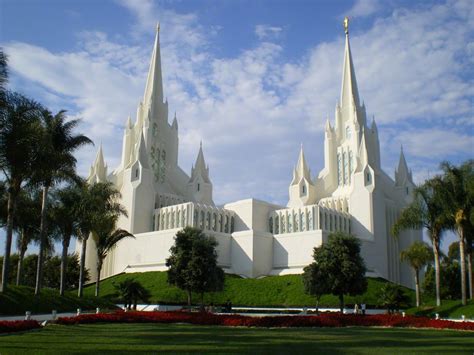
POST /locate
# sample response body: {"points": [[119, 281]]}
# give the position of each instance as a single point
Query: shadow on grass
{"points": [[117, 338]]}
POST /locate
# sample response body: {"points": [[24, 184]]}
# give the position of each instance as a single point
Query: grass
{"points": [[270, 291], [154, 338], [448, 308], [18, 299]]}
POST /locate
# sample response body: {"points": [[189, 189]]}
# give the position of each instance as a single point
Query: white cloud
{"points": [[410, 69], [267, 32], [363, 8]]}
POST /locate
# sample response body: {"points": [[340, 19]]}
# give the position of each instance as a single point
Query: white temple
{"points": [[256, 238]]}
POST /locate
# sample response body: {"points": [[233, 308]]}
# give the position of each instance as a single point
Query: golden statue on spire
{"points": [[346, 25]]}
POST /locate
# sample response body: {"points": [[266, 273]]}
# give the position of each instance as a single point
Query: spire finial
{"points": [[158, 27], [346, 25]]}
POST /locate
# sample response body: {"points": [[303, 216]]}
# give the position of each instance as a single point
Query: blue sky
{"points": [[253, 79]]}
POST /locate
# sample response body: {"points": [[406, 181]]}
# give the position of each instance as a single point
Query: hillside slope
{"points": [[274, 291]]}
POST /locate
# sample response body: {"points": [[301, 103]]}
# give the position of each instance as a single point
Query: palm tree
{"points": [[426, 212], [19, 125], [3, 76], [26, 224], [97, 200], [107, 237], [457, 205], [64, 213], [55, 163], [417, 255], [131, 291]]}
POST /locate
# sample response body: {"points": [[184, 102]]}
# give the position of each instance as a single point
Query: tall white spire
{"points": [[349, 91], [154, 82]]}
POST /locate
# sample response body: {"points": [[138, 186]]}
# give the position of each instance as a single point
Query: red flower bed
{"points": [[18, 325], [322, 320]]}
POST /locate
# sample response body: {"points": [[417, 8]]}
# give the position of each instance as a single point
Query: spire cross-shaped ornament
{"points": [[346, 25]]}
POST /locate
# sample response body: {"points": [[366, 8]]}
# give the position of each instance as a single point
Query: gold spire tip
{"points": [[158, 27], [346, 25]]}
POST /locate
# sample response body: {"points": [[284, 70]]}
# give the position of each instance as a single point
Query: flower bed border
{"points": [[18, 326], [322, 320]]}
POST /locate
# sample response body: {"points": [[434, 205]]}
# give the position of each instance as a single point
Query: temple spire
{"points": [[349, 91], [154, 82], [402, 174], [302, 167]]}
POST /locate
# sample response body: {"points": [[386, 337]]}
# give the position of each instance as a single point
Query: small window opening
{"points": [[199, 187], [136, 173]]}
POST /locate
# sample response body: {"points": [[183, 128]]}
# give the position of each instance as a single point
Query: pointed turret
{"points": [[302, 190], [349, 90], [402, 174], [129, 125], [154, 82], [175, 122], [199, 185], [98, 171], [301, 169]]}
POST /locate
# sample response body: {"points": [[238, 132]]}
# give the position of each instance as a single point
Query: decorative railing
{"points": [[208, 218], [308, 218]]}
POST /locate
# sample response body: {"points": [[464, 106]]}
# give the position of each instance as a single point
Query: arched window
{"points": [[348, 132], [303, 190], [339, 169], [196, 217], [290, 223], [277, 225], [232, 224], [270, 224], [201, 220], [199, 187], [214, 222]]}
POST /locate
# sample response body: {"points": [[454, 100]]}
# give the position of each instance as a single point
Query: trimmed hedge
{"points": [[322, 320]]}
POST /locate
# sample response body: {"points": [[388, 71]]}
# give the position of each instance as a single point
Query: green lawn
{"points": [[268, 291], [154, 338], [18, 299], [448, 308]]}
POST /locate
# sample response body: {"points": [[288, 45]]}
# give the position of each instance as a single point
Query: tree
{"points": [[26, 224], [192, 265], [131, 291], [315, 282], [341, 265], [417, 255], [457, 204], [19, 126], [426, 212], [96, 201], [107, 237], [450, 280], [55, 162], [64, 211], [51, 271], [392, 297]]}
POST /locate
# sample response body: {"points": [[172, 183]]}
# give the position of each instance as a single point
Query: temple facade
{"points": [[256, 238]]}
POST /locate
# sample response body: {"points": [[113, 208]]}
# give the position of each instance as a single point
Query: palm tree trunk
{"points": [[62, 281], [97, 281], [42, 236], [435, 243], [417, 287], [23, 247], [8, 242], [462, 255], [82, 266], [469, 273], [341, 302]]}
